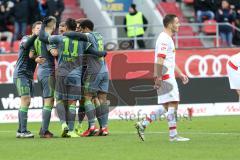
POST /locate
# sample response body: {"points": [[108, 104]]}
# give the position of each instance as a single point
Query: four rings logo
{"points": [[6, 71], [206, 66], [195, 66]]}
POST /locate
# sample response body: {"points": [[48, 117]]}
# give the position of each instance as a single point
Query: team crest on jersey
{"points": [[163, 48]]}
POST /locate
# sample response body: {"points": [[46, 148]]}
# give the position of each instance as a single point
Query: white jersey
{"points": [[233, 70], [165, 48], [168, 91], [235, 59]]}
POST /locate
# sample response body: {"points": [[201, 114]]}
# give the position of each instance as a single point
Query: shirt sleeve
{"points": [[23, 41], [87, 45], [32, 49], [161, 49], [51, 46], [55, 39]]}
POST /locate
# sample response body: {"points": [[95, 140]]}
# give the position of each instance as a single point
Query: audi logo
{"points": [[6, 71], [204, 66], [195, 66]]}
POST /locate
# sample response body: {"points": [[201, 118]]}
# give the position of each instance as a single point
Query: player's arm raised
{"points": [[45, 37], [77, 36], [27, 42]]}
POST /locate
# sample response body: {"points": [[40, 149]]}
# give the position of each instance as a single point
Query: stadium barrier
{"points": [[187, 37], [131, 84]]}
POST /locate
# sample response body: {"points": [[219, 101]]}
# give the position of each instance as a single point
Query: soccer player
{"points": [[96, 81], [62, 28], [78, 21], [233, 73], [23, 79], [46, 77], [68, 74], [165, 57], [81, 110]]}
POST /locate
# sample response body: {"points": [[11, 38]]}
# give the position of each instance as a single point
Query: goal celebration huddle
{"points": [[71, 68]]}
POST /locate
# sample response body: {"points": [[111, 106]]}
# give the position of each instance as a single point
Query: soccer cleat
{"points": [[79, 129], [178, 139], [64, 130], [102, 132], [90, 132], [72, 134], [140, 130], [26, 134], [47, 134], [18, 134]]}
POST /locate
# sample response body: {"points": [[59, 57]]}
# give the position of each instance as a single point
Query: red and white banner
{"points": [[200, 63], [7, 65], [138, 64], [196, 63], [137, 112]]}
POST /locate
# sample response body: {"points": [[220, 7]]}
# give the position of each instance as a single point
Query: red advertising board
{"points": [[138, 64], [201, 63], [196, 63], [7, 64]]}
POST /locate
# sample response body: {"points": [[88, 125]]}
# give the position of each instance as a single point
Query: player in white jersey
{"points": [[234, 73], [165, 82]]}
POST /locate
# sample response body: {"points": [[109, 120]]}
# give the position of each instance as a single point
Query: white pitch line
{"points": [[193, 133], [121, 132]]}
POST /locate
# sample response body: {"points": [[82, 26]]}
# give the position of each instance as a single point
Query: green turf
{"points": [[212, 138]]}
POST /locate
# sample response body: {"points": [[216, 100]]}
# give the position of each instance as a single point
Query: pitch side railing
{"points": [[152, 32]]}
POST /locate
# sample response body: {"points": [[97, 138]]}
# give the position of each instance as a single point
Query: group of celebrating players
{"points": [[80, 74]]}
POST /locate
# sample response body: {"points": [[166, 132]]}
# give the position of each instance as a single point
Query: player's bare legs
{"points": [[49, 101], [25, 101]]}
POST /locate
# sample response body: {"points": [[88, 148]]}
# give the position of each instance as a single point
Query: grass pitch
{"points": [[212, 138]]}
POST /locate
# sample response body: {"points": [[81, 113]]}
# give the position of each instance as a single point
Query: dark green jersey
{"points": [[48, 67], [70, 54], [25, 66], [96, 64]]}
